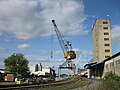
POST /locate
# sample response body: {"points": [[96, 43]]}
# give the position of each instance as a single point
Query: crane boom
{"points": [[59, 36], [65, 45]]}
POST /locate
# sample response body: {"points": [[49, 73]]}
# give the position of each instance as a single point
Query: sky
{"points": [[26, 27]]}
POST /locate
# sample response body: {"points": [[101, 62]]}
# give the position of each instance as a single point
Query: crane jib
{"points": [[65, 45]]}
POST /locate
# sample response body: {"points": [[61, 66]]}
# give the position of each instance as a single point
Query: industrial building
{"points": [[112, 64], [2, 71], [44, 72], [101, 40], [100, 69], [103, 61]]}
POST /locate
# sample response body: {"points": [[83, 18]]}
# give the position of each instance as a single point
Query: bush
{"points": [[111, 82]]}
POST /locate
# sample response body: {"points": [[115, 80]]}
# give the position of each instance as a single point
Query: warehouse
{"points": [[100, 69]]}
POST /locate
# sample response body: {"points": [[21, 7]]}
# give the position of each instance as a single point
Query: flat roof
{"points": [[115, 55], [102, 62]]}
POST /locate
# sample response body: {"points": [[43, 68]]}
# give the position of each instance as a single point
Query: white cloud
{"points": [[30, 18], [45, 60], [42, 52], [23, 46], [46, 52], [85, 52], [77, 51], [116, 33], [58, 52], [2, 49]]}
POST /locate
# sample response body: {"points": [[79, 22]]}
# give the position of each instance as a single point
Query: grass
{"points": [[69, 86], [110, 82]]}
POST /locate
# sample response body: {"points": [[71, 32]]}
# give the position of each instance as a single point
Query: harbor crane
{"points": [[66, 46], [67, 50]]}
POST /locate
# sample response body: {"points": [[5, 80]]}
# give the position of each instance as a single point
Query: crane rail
{"points": [[35, 86]]}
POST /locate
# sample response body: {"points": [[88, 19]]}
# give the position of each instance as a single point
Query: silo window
{"points": [[105, 22]]}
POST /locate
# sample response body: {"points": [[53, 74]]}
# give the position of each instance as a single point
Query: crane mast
{"points": [[66, 46]]}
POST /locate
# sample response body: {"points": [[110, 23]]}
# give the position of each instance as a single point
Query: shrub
{"points": [[111, 82]]}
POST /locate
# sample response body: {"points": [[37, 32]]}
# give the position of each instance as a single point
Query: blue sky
{"points": [[26, 27]]}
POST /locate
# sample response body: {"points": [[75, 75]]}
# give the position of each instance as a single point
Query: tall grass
{"points": [[110, 82]]}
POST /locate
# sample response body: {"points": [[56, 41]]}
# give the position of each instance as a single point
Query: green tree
{"points": [[16, 64]]}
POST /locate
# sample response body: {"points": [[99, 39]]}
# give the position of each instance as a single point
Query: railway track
{"points": [[34, 86]]}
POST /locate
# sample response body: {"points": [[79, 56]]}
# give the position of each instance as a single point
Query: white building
{"points": [[45, 72]]}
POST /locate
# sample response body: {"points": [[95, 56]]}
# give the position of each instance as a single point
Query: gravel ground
{"points": [[93, 86], [7, 83]]}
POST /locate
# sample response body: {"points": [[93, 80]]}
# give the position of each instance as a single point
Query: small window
{"points": [[106, 33], [111, 64], [105, 22], [107, 56], [105, 27], [118, 61], [96, 51], [106, 39], [106, 66], [107, 50], [106, 44]]}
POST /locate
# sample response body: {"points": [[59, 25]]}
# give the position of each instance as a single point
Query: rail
{"points": [[38, 85]]}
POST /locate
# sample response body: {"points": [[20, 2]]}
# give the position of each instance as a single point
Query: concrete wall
{"points": [[46, 69], [112, 65], [32, 68], [98, 42]]}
